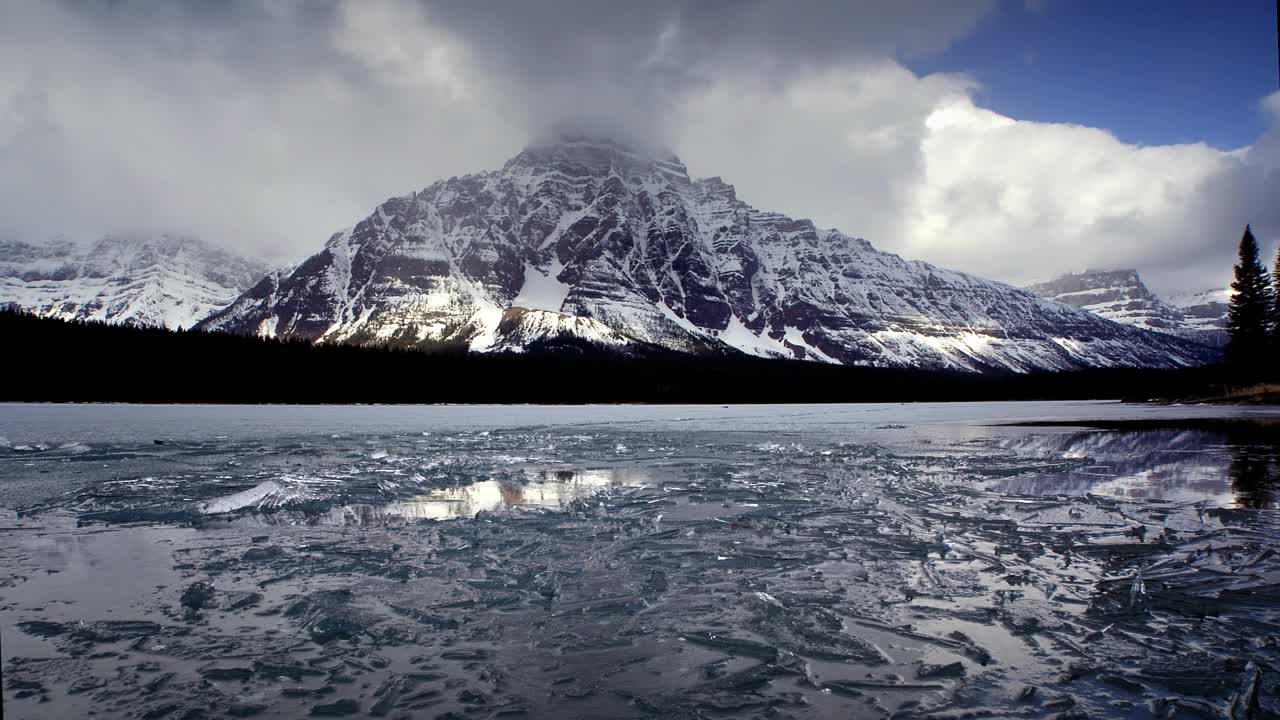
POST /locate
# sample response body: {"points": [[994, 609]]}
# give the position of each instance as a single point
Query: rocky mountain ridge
{"points": [[1120, 295], [159, 280], [587, 238]]}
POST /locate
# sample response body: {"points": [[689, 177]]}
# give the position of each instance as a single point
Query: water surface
{"points": [[797, 561]]}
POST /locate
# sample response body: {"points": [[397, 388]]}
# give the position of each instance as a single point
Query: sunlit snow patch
{"points": [[542, 292]]}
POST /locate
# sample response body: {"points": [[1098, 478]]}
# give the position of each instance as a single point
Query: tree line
{"points": [[1253, 313], [84, 361]]}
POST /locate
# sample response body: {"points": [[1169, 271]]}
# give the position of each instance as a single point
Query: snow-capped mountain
{"points": [[152, 280], [589, 239], [1120, 295], [1206, 311]]}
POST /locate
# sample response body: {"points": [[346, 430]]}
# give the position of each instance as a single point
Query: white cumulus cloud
{"points": [[914, 165]]}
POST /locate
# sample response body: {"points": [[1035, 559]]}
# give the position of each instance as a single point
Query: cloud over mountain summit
{"points": [[268, 124]]}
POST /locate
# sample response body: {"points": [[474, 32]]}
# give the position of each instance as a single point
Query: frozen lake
{"points": [[914, 560], [22, 423]]}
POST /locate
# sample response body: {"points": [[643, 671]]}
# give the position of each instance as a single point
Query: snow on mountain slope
{"points": [[1205, 311], [152, 280], [1120, 295], [589, 228], [521, 328]]}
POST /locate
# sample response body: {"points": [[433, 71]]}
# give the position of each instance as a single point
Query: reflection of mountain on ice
{"points": [[1175, 465]]}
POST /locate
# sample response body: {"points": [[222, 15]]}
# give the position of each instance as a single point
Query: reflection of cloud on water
{"points": [[1174, 482], [547, 488], [544, 487], [1170, 465]]}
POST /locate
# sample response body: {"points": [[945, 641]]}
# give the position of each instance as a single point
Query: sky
{"points": [[1015, 139], [1154, 73]]}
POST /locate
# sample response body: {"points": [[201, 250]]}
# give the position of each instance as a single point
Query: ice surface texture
{"points": [[603, 572]]}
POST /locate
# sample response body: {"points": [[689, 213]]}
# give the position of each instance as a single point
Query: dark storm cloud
{"points": [[629, 64], [269, 123]]}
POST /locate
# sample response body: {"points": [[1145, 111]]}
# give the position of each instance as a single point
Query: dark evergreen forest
{"points": [[53, 360]]}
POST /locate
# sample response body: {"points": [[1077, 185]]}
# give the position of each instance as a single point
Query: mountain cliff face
{"points": [[150, 280], [585, 238], [1120, 295], [1205, 311]]}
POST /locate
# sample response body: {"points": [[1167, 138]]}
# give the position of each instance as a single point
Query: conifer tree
{"points": [[1249, 313], [1275, 311]]}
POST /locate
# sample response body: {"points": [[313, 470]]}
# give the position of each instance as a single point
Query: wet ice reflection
{"points": [[550, 488], [544, 488], [1168, 465], [897, 573]]}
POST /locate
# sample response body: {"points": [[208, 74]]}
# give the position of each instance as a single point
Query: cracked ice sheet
{"points": [[824, 572]]}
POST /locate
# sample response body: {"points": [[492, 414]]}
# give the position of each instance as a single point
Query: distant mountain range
{"points": [[1205, 310], [149, 280], [1120, 295], [585, 242]]}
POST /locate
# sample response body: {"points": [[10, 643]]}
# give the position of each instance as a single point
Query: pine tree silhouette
{"points": [[1249, 314], [1275, 311]]}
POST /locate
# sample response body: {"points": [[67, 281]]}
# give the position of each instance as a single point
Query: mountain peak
{"points": [[576, 154], [1121, 296], [1115, 284], [588, 237], [586, 136]]}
